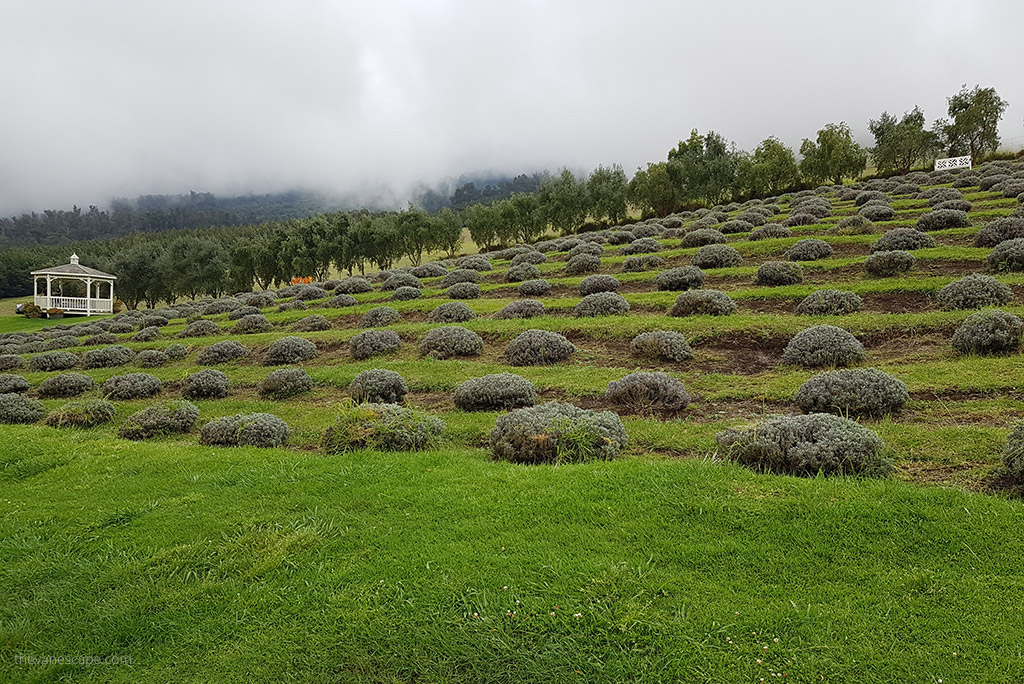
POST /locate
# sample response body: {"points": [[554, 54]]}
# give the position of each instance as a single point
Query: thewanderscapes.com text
{"points": [[83, 660]]}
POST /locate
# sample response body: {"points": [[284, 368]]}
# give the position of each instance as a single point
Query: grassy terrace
{"points": [[668, 564]]}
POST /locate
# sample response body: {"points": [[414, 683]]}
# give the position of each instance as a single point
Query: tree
{"points": [[974, 128], [834, 156], [607, 188], [483, 222], [447, 227], [770, 170], [416, 233], [703, 167], [194, 265], [564, 202], [138, 275], [900, 143], [653, 190]]}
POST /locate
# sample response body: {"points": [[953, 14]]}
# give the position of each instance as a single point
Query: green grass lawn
{"points": [[205, 564]]}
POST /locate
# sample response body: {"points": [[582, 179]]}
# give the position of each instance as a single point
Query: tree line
{"points": [[702, 170]]}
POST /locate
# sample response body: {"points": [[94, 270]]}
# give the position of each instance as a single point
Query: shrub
{"points": [[830, 303], [888, 264], [476, 262], [200, 328], [255, 429], [941, 219], [222, 352], [701, 237], [521, 272], [989, 181], [145, 335], [538, 347], [285, 382], [648, 262], [800, 219], [852, 392], [151, 358], [738, 226], [642, 245], [645, 230], [681, 278], [61, 342], [592, 249], [14, 384], [582, 263], [807, 445], [400, 279], [717, 256], [296, 305], [771, 230], [852, 225], [497, 392], [524, 308], [373, 342], [464, 291], [988, 332], [1000, 230], [206, 384], [258, 300], [289, 350], [18, 409], [108, 357], [662, 345], [1007, 256], [776, 273], [1013, 455], [823, 345], [902, 239], [53, 361], [809, 249], [405, 294], [450, 341], [431, 270], [534, 288], [599, 283], [221, 306], [452, 312], [81, 414], [154, 321], [906, 189], [313, 323], [973, 292], [868, 195], [703, 303], [340, 302], [253, 323], [385, 427], [131, 386], [877, 212], [354, 285], [110, 338], [646, 392], [957, 204], [379, 317], [12, 362], [531, 257], [378, 386], [121, 327], [601, 304], [176, 351], [557, 433], [65, 385]]}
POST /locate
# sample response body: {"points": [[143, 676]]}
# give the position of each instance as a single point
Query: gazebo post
{"points": [[88, 296], [49, 280]]}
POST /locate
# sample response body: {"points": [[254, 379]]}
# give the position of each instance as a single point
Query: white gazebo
{"points": [[60, 280]]}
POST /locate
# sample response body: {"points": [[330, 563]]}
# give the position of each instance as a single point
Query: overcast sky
{"points": [[105, 98]]}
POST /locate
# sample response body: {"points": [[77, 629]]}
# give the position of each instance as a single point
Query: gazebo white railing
{"points": [[98, 287]]}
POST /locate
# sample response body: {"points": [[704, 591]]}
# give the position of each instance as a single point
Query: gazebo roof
{"points": [[74, 269]]}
